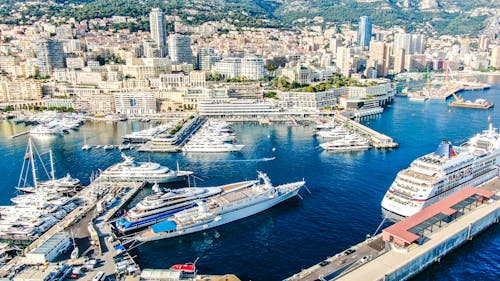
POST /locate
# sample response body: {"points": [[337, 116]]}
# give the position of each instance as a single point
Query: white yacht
{"points": [[211, 146], [147, 134], [337, 132], [234, 204], [347, 143], [130, 170], [159, 206], [213, 136], [438, 174], [44, 130]]}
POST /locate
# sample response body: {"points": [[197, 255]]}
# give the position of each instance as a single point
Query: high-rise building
{"points": [[179, 48], [49, 54], [344, 60], [412, 43], [379, 52], [253, 68], [158, 29], [206, 58], [484, 42], [495, 57], [364, 31], [399, 61], [151, 49]]}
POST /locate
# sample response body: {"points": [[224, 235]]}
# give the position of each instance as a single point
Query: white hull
{"points": [[397, 211], [151, 179], [228, 217]]}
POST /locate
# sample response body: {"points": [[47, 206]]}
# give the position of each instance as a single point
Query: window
{"points": [[133, 102]]}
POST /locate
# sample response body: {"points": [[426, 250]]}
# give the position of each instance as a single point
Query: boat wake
{"points": [[251, 160]]}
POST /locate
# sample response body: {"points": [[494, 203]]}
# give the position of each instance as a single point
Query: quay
{"points": [[411, 245], [84, 212], [174, 142], [376, 139]]}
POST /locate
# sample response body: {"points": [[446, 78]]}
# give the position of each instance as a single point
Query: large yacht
{"points": [[234, 204], [130, 170], [158, 206], [213, 136], [347, 143], [438, 174]]}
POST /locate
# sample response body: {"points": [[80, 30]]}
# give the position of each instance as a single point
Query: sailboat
{"points": [[75, 252], [29, 160], [85, 145], [57, 185]]}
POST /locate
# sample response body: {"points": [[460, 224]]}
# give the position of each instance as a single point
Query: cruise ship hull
{"points": [[394, 211], [224, 217]]}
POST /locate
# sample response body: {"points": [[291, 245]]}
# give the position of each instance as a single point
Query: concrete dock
{"points": [[400, 263], [376, 139]]}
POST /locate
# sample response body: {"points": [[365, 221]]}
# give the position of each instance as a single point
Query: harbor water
{"points": [[343, 205]]}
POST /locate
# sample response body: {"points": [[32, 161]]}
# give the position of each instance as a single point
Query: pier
{"points": [[399, 254], [376, 139], [175, 142], [98, 228]]}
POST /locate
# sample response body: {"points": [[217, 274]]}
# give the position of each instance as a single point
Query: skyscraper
{"points": [[180, 48], [158, 29], [364, 31], [412, 43], [344, 60], [49, 54], [379, 52], [206, 58]]}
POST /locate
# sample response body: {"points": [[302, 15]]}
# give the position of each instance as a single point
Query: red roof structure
{"points": [[411, 229]]}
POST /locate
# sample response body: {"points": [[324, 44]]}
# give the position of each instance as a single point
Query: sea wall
{"points": [[424, 260]]}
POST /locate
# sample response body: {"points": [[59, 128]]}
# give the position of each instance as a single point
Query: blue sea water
{"points": [[342, 207]]}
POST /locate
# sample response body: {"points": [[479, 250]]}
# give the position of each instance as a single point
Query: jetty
{"points": [[376, 139], [411, 245], [174, 143]]}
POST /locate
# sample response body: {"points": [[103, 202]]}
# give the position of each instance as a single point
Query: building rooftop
{"points": [[47, 246], [411, 229]]}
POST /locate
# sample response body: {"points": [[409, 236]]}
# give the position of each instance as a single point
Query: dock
{"points": [[174, 142], [98, 228], [389, 258], [20, 134], [376, 139]]}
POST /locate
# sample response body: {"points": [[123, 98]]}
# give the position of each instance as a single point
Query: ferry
{"points": [[130, 170], [232, 205], [436, 175], [164, 203]]}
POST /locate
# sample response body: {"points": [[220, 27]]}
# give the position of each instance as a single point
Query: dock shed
{"points": [[413, 229], [49, 250]]}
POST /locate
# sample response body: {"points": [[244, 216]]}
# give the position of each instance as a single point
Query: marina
{"points": [[273, 141]]}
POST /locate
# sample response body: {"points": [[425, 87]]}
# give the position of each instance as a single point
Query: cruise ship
{"points": [[232, 205], [438, 174], [158, 206], [130, 170]]}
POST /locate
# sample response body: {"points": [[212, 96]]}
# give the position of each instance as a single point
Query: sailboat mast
{"points": [[52, 170], [32, 160]]}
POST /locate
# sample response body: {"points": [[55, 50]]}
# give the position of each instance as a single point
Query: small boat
{"points": [[269, 158], [74, 253], [125, 146], [186, 267], [109, 147]]}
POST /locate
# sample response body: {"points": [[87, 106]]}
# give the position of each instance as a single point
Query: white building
{"points": [[135, 103], [253, 68], [228, 67], [179, 48], [235, 107]]}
